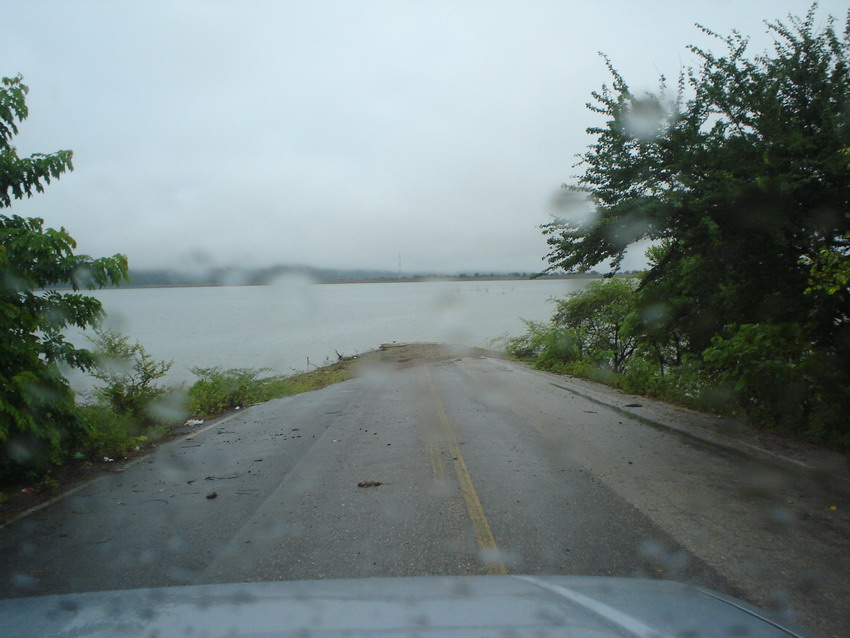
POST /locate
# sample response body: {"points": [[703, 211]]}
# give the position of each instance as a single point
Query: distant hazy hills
{"points": [[247, 276], [259, 276]]}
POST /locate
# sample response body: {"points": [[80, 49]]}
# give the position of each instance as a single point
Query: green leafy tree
{"points": [[741, 175], [659, 339], [37, 268], [599, 317], [740, 180], [830, 269]]}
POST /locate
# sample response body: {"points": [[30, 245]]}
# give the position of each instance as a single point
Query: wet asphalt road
{"points": [[472, 466]]}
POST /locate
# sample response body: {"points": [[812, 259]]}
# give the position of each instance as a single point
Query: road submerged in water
{"points": [[442, 461]]}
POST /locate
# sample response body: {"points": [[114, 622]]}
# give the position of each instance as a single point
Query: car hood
{"points": [[464, 606]]}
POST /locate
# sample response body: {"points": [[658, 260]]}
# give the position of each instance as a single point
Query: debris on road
{"points": [[369, 484], [212, 495]]}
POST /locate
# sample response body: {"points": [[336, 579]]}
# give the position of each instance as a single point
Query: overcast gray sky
{"points": [[334, 134]]}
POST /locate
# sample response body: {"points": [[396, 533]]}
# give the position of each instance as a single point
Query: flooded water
{"points": [[295, 325]]}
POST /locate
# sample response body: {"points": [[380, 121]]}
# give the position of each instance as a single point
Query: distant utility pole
{"points": [[399, 265]]}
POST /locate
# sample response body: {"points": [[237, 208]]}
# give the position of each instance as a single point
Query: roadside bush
{"points": [[761, 363], [774, 373], [108, 433], [523, 347], [589, 333], [217, 390], [783, 382], [642, 377], [599, 318], [129, 374], [551, 346], [829, 381], [111, 434], [560, 348], [594, 334]]}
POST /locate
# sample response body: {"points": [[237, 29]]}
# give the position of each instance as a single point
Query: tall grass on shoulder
{"points": [[274, 387], [111, 435], [218, 390]]}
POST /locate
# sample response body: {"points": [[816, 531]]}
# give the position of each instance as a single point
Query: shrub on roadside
{"points": [[218, 390], [129, 374], [113, 435], [761, 363], [597, 319], [522, 347], [596, 334], [552, 347], [641, 377], [559, 347], [109, 434]]}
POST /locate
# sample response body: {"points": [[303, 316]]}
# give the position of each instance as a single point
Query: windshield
{"points": [[361, 290]]}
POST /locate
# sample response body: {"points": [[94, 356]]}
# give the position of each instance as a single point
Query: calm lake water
{"points": [[282, 326]]}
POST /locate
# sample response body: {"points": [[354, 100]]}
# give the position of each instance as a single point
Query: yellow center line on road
{"points": [[436, 462], [483, 533]]}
